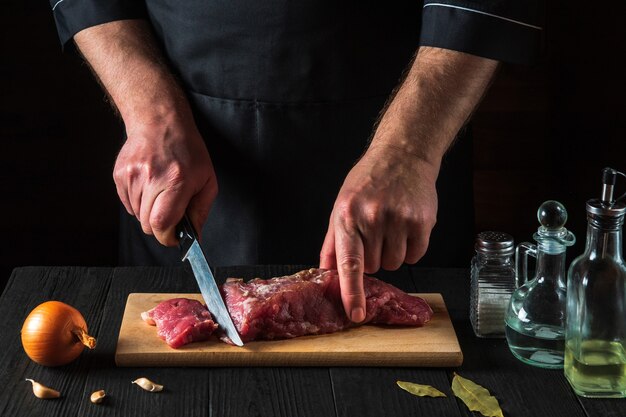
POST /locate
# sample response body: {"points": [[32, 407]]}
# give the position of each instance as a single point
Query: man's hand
{"points": [[162, 171], [387, 206], [164, 168], [382, 217]]}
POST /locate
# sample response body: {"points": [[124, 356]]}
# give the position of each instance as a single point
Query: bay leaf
{"points": [[476, 397], [420, 390]]}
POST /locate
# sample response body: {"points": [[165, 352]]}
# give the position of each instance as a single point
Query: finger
{"points": [[394, 249], [122, 189], [349, 249], [135, 191], [122, 193], [167, 211], [147, 202], [200, 205], [416, 247], [372, 245], [328, 257]]}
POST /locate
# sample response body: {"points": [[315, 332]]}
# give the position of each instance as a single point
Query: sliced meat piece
{"points": [[180, 321], [309, 302]]}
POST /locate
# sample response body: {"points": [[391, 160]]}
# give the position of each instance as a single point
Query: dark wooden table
{"points": [[100, 294]]}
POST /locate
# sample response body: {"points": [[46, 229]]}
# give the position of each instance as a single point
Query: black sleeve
{"points": [[505, 30], [72, 16]]}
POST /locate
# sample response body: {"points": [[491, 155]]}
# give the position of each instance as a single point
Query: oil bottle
{"points": [[535, 319], [595, 336]]}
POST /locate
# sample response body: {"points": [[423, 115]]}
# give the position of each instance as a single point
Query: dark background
{"points": [[543, 132]]}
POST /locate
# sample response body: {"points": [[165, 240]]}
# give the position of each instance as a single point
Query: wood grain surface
{"points": [[339, 391], [434, 344]]}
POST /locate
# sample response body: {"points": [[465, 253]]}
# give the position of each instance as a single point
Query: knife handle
{"points": [[186, 234]]}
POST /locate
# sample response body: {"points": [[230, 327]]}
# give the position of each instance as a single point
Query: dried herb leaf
{"points": [[420, 390], [475, 397]]}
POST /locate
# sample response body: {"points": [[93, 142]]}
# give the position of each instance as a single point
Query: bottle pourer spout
{"points": [[609, 177]]}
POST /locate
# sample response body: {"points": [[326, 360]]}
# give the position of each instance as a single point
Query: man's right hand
{"points": [[162, 171], [164, 168]]}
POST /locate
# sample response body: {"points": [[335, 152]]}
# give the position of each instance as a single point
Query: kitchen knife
{"points": [[192, 252]]}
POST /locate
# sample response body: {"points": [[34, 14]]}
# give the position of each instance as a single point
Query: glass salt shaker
{"points": [[535, 321], [492, 282]]}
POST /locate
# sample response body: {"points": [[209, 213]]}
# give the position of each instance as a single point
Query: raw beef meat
{"points": [[180, 321], [309, 302], [306, 303]]}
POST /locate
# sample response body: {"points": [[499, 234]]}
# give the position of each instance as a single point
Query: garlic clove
{"points": [[148, 385], [97, 397], [43, 392]]}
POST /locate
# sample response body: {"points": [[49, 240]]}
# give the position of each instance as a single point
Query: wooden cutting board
{"points": [[435, 344]]}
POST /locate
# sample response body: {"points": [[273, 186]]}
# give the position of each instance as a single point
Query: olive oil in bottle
{"points": [[597, 368]]}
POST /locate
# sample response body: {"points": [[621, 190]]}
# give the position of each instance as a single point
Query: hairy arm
{"points": [[164, 168], [387, 205]]}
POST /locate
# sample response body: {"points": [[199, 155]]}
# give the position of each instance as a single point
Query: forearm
{"points": [[127, 61], [163, 169], [437, 97]]}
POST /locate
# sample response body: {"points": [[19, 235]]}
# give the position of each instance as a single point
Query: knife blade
{"points": [[192, 252]]}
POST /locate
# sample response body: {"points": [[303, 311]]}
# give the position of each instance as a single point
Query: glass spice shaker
{"points": [[492, 282]]}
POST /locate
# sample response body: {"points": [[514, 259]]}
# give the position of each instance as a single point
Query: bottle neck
{"points": [[603, 242], [551, 263]]}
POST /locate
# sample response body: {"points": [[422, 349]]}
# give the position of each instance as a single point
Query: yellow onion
{"points": [[55, 333]]}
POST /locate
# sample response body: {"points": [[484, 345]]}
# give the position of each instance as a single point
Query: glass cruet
{"points": [[595, 337], [535, 319]]}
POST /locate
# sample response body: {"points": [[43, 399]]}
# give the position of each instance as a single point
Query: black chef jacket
{"points": [[286, 93]]}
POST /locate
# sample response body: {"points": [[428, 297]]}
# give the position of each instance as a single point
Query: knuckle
{"points": [[423, 220], [428, 218], [373, 213], [350, 263], [122, 171], [353, 293], [135, 169], [346, 208], [118, 175], [131, 171], [158, 220], [175, 173]]}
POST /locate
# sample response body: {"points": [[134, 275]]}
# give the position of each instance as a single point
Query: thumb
{"points": [[349, 248]]}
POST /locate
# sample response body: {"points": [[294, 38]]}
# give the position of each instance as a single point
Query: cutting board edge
{"points": [[451, 359]]}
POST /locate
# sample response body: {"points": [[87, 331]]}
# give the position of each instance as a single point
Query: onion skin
{"points": [[55, 334]]}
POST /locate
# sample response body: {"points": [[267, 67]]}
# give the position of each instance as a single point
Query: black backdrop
{"points": [[543, 132]]}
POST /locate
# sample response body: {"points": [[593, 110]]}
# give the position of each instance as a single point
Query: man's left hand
{"points": [[382, 217]]}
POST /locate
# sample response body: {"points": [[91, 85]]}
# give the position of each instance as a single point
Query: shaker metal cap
{"points": [[491, 242]]}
